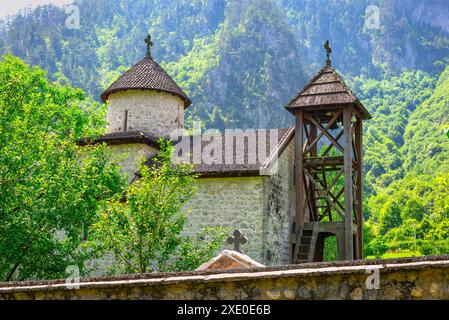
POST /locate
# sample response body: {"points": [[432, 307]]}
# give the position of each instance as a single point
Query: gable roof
{"points": [[326, 88], [147, 74], [247, 168], [230, 260], [222, 169], [235, 169]]}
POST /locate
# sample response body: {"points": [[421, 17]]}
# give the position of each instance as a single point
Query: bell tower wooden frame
{"points": [[328, 168]]}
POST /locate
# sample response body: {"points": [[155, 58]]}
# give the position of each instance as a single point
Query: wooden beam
{"points": [[313, 137], [299, 155], [314, 146], [347, 145], [327, 134], [354, 147], [329, 147], [359, 190], [325, 188], [334, 181], [324, 193]]}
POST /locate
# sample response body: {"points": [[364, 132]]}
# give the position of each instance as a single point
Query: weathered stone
{"points": [[225, 201], [273, 294], [435, 290], [393, 292], [357, 294], [157, 113], [280, 209], [417, 293], [289, 294], [293, 282], [304, 293]]}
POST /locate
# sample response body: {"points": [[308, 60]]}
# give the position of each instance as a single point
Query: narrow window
{"points": [[125, 125], [294, 175]]}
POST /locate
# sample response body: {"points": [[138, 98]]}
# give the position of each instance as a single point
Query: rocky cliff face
{"points": [[435, 13], [239, 61]]}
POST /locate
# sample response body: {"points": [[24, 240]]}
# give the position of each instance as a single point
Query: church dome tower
{"points": [[146, 99]]}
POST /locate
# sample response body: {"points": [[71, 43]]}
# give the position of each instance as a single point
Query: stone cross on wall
{"points": [[149, 45], [237, 239]]}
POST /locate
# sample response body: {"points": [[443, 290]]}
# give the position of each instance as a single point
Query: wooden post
{"points": [[347, 146], [359, 195], [300, 214], [340, 234], [313, 135]]}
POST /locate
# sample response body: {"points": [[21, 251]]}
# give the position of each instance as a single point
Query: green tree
{"points": [[48, 184], [390, 217], [413, 209], [144, 232]]}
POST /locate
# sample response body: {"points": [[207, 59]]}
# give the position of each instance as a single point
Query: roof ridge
{"points": [[333, 90]]}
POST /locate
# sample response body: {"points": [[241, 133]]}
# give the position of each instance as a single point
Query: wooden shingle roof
{"points": [[327, 88], [247, 168], [147, 74], [235, 169], [221, 169]]}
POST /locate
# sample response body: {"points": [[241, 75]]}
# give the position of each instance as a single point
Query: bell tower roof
{"points": [[147, 74], [327, 88]]}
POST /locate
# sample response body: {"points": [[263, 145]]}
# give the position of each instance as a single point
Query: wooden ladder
{"points": [[306, 244]]}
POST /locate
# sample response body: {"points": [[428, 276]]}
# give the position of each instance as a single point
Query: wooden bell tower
{"points": [[328, 168]]}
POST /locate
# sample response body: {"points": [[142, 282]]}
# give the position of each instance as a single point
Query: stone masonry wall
{"points": [[281, 209], [154, 112], [129, 155], [406, 279], [236, 203]]}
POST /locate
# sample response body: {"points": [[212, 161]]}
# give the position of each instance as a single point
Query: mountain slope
{"points": [[412, 213], [260, 52], [241, 61]]}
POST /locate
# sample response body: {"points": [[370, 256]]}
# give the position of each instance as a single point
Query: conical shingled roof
{"points": [[146, 75], [327, 88]]}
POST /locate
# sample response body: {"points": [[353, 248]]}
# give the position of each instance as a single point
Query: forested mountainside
{"points": [[242, 61]]}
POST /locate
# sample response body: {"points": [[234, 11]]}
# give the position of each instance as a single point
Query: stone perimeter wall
{"points": [[417, 279]]}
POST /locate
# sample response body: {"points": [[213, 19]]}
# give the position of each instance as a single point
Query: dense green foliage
{"points": [[55, 194], [392, 102], [238, 60], [411, 213], [47, 182], [144, 232], [241, 61]]}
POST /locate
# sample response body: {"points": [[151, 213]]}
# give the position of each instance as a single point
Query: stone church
{"points": [[247, 179]]}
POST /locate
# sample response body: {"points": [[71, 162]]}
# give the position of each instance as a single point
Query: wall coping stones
{"points": [[306, 270]]}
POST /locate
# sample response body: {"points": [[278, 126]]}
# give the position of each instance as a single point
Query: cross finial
{"points": [[328, 52], [237, 240], [149, 45]]}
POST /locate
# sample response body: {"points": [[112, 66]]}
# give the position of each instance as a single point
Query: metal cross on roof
{"points": [[328, 52], [149, 45], [237, 240]]}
